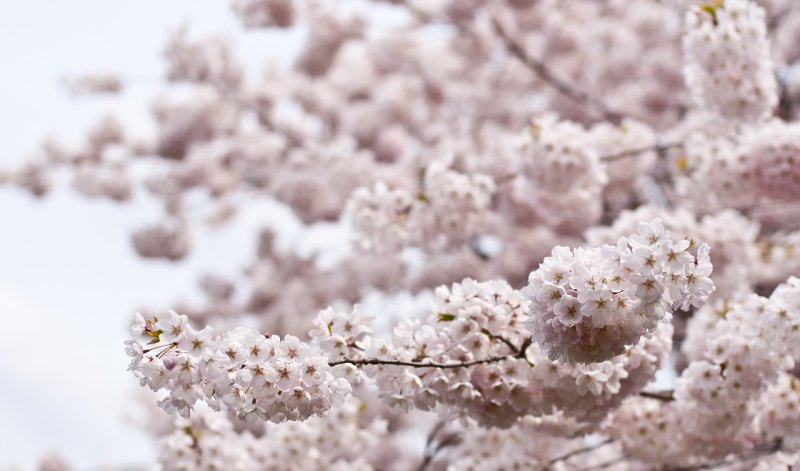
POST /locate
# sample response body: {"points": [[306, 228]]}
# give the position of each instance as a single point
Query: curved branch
{"points": [[414, 364], [431, 450], [658, 148]]}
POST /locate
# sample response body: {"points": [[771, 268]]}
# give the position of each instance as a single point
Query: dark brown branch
{"points": [[517, 353], [507, 342], [522, 348], [430, 451], [666, 396], [785, 105], [413, 364]]}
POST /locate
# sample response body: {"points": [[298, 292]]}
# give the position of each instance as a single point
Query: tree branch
{"points": [[430, 450], [606, 464], [517, 352], [579, 451], [757, 452], [785, 105], [666, 396], [659, 148], [547, 75], [413, 364]]}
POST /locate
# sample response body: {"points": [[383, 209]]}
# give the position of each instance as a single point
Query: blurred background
{"points": [[69, 278]]}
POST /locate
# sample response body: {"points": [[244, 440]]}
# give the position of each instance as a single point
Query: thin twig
{"points": [[430, 452], [659, 148], [606, 464], [757, 452], [580, 451], [412, 364], [666, 396], [507, 342]]}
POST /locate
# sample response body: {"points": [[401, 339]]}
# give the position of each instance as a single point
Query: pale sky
{"points": [[69, 280]]}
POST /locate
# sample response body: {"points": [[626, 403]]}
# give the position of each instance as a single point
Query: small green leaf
{"points": [[446, 317], [421, 197], [155, 334], [711, 8]]}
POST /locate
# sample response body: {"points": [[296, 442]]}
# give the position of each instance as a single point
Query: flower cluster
{"points": [[758, 165], [588, 304], [472, 357], [265, 13], [561, 179], [449, 208], [475, 331], [779, 407], [252, 375], [729, 69], [111, 182], [98, 83], [340, 440], [612, 141], [746, 351], [733, 236], [167, 239], [780, 257], [584, 393], [207, 61], [511, 448]]}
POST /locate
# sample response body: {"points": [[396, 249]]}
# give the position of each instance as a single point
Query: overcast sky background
{"points": [[69, 280]]}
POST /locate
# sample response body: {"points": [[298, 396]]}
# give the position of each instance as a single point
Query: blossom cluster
{"points": [[483, 448], [265, 13], [757, 166], [746, 352], [736, 256], [562, 178], [624, 174], [477, 325], [252, 375], [167, 239], [729, 69], [473, 357], [340, 440], [209, 61], [450, 208], [587, 305]]}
